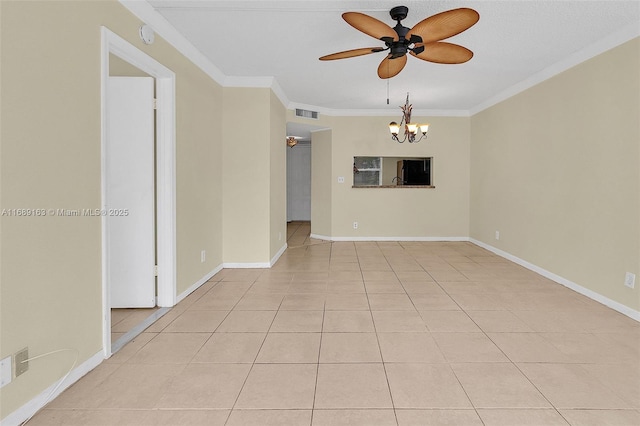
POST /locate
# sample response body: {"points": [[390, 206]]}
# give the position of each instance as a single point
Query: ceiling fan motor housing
{"points": [[401, 47], [398, 49]]}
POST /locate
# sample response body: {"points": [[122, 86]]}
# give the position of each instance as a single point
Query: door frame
{"points": [[165, 171]]}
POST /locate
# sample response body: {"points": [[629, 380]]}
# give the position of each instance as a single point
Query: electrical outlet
{"points": [[5, 371], [20, 360], [630, 280], [340, 179], [497, 235], [203, 256], [355, 225]]}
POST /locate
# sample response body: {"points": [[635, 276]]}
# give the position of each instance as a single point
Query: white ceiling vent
{"points": [[306, 113]]}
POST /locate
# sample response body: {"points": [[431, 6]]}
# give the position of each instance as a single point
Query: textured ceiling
{"points": [[512, 42]]}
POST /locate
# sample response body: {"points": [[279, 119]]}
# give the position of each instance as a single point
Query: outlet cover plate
{"points": [[630, 280], [21, 363]]}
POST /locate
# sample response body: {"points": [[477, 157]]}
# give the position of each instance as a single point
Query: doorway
{"points": [[299, 182], [130, 199], [156, 245]]}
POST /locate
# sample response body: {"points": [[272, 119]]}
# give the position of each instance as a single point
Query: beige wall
{"points": [[254, 175], [555, 169], [199, 160], [119, 67], [409, 212], [321, 183], [278, 177], [389, 170], [245, 171], [50, 269]]}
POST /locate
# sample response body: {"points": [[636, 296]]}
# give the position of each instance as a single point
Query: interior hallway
{"points": [[366, 333]]}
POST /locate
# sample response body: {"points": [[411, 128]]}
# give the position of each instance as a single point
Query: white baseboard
{"points": [[201, 281], [248, 265], [324, 237], [320, 237], [623, 309], [278, 254], [256, 265], [30, 408]]}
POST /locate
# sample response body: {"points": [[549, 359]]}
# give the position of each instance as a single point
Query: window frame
{"points": [[381, 175], [370, 169]]}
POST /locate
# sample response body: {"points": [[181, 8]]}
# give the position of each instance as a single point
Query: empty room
{"points": [[222, 212]]}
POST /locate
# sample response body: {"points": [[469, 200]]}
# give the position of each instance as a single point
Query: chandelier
{"points": [[410, 129], [292, 141]]}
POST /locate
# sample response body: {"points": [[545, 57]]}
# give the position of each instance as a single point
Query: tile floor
{"points": [[123, 320], [387, 333]]}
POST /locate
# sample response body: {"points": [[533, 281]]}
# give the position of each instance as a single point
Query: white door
{"points": [[130, 190], [299, 183]]}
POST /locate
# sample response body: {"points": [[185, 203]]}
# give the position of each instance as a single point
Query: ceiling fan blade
{"points": [[444, 25], [351, 53], [390, 67], [442, 52], [370, 26]]}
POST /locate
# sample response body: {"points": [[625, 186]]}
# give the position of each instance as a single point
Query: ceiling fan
{"points": [[423, 41]]}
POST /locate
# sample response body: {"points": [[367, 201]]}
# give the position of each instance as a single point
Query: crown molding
{"points": [[146, 13], [258, 82], [394, 112], [377, 112], [614, 40]]}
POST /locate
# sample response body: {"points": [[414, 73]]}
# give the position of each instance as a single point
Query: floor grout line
{"points": [[375, 259]]}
